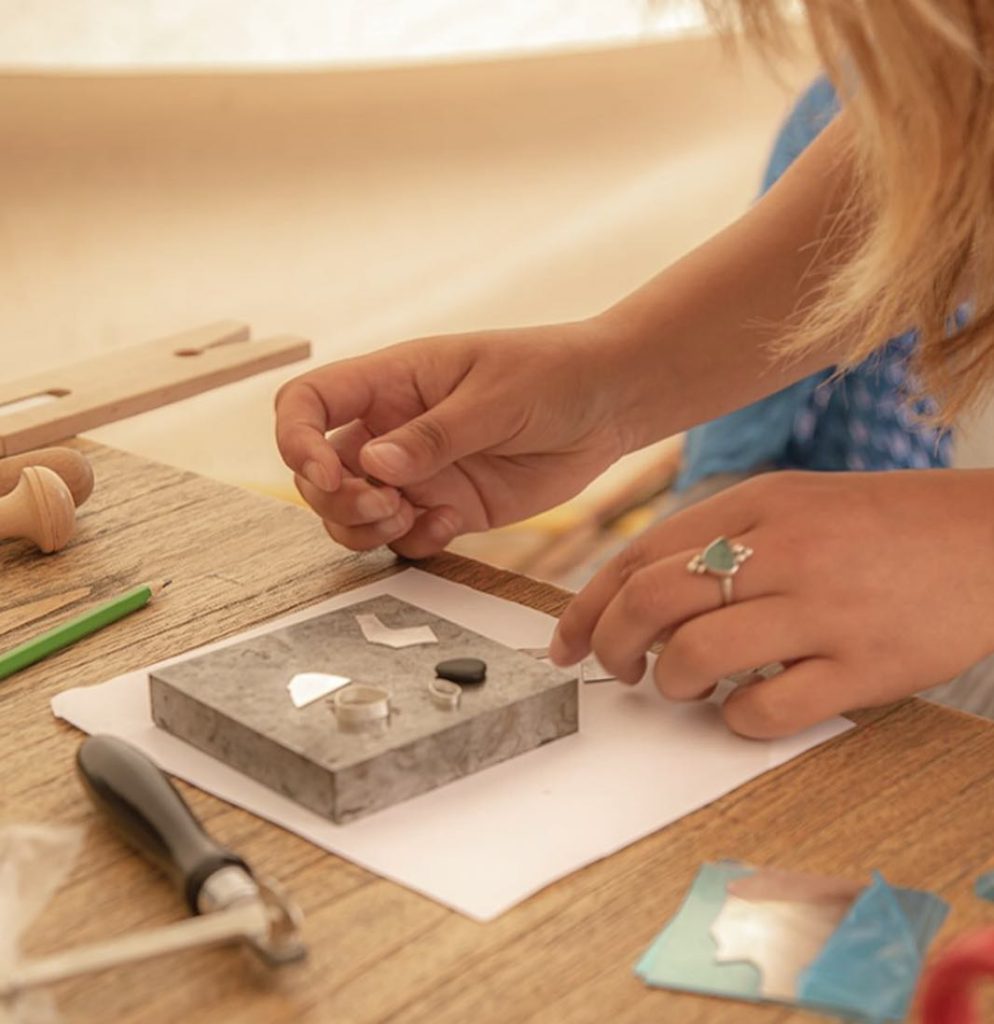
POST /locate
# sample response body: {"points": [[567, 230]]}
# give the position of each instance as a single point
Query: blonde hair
{"points": [[917, 78]]}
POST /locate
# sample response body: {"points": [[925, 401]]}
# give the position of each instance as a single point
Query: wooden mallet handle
{"points": [[40, 509], [72, 466]]}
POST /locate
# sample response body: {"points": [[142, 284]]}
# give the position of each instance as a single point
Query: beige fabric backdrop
{"points": [[163, 34], [357, 207]]}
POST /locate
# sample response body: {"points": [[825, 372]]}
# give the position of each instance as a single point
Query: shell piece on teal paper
{"points": [[866, 970], [869, 968]]}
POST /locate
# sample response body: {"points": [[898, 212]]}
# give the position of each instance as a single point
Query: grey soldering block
{"points": [[233, 704]]}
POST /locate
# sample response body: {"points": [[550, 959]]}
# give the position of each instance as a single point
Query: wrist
{"points": [[630, 364]]}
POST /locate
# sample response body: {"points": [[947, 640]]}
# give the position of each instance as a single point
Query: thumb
{"points": [[427, 444]]}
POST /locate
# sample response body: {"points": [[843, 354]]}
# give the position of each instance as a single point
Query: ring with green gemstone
{"points": [[721, 558]]}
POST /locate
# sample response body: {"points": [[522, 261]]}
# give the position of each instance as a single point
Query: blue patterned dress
{"points": [[862, 421]]}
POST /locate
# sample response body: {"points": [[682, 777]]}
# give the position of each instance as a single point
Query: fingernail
{"points": [[393, 526], [316, 474], [391, 457], [558, 651], [442, 529], [631, 677], [376, 504]]}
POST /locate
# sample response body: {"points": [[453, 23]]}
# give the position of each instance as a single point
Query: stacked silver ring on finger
{"points": [[722, 559]]}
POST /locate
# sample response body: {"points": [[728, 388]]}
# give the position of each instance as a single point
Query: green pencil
{"points": [[75, 629]]}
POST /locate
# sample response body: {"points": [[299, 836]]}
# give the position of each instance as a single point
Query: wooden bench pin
{"points": [[72, 466], [40, 509]]}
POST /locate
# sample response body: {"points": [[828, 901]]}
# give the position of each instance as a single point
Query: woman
{"points": [[866, 586]]}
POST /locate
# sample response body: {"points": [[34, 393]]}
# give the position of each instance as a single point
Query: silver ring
{"points": [[445, 695], [354, 704], [722, 559]]}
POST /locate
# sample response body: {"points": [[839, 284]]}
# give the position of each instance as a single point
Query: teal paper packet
{"points": [[825, 944], [984, 886]]}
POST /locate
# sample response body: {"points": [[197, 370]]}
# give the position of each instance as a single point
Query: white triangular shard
{"points": [[307, 687]]}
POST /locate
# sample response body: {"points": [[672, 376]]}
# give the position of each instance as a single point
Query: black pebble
{"points": [[462, 670]]}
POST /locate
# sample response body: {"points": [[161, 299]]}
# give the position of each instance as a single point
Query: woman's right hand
{"points": [[454, 434]]}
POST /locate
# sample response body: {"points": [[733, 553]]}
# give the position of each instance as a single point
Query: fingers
{"points": [[306, 409], [360, 516], [803, 695], [677, 593], [412, 533], [347, 443], [355, 503], [372, 535], [733, 639], [430, 533], [653, 601], [459, 426], [301, 422]]}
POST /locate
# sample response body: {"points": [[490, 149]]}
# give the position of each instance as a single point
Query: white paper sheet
{"points": [[484, 843]]}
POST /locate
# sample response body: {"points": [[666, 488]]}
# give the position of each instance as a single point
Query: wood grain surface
{"points": [[910, 793]]}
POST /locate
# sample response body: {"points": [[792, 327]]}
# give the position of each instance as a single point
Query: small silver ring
{"points": [[355, 704], [721, 559], [445, 695]]}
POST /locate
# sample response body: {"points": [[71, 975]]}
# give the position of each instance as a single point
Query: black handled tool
{"points": [[146, 808], [231, 904]]}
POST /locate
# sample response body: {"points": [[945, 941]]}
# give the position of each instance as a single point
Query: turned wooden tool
{"points": [[40, 508], [72, 466]]}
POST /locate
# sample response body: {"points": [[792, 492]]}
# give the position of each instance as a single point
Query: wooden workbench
{"points": [[911, 793]]}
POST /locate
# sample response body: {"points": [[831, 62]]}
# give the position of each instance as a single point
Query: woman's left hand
{"points": [[868, 587]]}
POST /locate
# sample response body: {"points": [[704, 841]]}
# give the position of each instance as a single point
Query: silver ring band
{"points": [[445, 695], [721, 559], [354, 704]]}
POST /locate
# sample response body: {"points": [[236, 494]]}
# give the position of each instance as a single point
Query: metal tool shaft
{"points": [[249, 920], [231, 904]]}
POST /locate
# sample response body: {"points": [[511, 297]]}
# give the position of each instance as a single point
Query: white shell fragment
{"points": [[591, 670], [376, 633], [307, 687]]}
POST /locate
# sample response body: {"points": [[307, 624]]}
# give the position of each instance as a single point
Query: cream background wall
{"points": [[145, 34], [356, 206]]}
